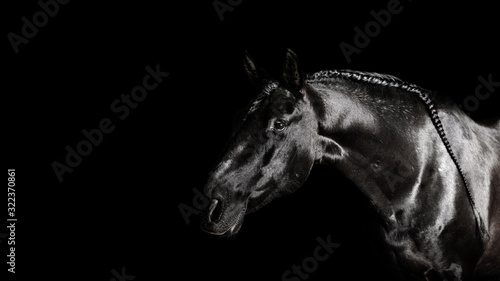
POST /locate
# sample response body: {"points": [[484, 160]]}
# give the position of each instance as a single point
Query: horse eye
{"points": [[279, 125]]}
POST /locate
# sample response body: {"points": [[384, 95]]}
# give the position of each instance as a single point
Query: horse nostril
{"points": [[214, 211]]}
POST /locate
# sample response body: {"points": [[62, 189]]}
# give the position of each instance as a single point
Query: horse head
{"points": [[271, 151]]}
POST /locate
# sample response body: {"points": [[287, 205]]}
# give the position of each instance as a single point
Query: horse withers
{"points": [[441, 221]]}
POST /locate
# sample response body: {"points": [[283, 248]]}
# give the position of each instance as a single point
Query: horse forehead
{"points": [[272, 93]]}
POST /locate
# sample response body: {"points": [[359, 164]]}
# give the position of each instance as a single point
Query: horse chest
{"points": [[431, 251]]}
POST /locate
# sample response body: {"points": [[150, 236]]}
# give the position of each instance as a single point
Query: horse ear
{"points": [[254, 73], [292, 75]]}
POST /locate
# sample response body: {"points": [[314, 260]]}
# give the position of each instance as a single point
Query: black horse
{"points": [[441, 220]]}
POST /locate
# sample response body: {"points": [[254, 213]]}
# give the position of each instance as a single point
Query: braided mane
{"points": [[368, 77]]}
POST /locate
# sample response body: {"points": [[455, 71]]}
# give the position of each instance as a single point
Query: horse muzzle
{"points": [[220, 219]]}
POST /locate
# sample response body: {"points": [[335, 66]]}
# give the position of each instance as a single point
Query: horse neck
{"points": [[383, 154]]}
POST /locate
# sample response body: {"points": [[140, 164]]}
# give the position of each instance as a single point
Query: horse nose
{"points": [[214, 211], [212, 219]]}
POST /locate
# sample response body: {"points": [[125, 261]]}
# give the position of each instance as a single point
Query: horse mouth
{"points": [[220, 222]]}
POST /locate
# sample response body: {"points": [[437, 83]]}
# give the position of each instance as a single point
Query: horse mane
{"points": [[367, 77]]}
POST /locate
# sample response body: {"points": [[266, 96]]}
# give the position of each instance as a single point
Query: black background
{"points": [[120, 207]]}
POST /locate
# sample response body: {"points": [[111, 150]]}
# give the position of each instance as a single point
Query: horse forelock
{"points": [[267, 90]]}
